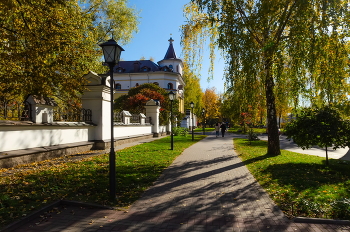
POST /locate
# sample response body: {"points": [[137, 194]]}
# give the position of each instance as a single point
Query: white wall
{"points": [[97, 99], [130, 130], [23, 137], [162, 129]]}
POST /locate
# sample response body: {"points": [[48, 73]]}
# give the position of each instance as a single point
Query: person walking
{"points": [[223, 129], [217, 129]]}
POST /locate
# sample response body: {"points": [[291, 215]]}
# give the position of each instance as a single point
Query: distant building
{"points": [[167, 74]]}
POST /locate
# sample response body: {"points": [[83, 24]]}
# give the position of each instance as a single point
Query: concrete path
{"points": [[207, 188], [340, 153]]}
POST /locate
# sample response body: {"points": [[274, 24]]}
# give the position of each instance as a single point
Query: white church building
{"points": [[166, 73]]}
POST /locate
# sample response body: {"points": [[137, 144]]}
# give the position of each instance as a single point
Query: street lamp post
{"points": [[192, 105], [111, 53], [203, 113], [171, 98]]}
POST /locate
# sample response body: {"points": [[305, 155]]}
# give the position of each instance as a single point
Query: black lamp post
{"points": [[171, 98], [111, 53], [203, 113], [192, 105]]}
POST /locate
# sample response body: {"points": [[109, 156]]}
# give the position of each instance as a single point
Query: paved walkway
{"points": [[207, 188], [287, 144]]}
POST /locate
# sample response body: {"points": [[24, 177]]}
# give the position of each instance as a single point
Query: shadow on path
{"points": [[207, 188]]}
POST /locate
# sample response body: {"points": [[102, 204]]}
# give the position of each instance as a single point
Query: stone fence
{"points": [[43, 133]]}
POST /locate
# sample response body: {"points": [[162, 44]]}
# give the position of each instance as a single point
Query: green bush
{"points": [[252, 136], [183, 131]]}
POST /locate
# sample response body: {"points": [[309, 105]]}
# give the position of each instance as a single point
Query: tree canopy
{"points": [[323, 127], [211, 106], [137, 98], [296, 46], [47, 46], [192, 90]]}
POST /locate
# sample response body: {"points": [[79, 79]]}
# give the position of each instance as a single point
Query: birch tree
{"points": [[263, 39]]}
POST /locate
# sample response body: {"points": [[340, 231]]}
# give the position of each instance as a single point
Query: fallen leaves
{"points": [[29, 187]]}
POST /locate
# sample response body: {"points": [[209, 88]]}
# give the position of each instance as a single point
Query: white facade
{"points": [[167, 74], [129, 80]]}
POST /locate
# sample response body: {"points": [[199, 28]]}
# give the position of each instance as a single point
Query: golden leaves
{"points": [[47, 46]]}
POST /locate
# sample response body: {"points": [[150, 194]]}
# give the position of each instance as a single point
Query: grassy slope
{"points": [[29, 187], [300, 184]]}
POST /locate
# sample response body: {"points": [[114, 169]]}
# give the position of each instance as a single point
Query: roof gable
{"points": [[170, 54], [136, 66]]}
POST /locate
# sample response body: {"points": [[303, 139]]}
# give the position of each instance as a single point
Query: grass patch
{"points": [[301, 185], [26, 188], [238, 130], [200, 129]]}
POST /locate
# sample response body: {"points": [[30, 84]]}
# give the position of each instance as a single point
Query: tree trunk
{"points": [[279, 120], [273, 147]]}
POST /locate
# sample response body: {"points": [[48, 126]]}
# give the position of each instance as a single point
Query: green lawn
{"points": [[238, 130], [200, 129], [300, 184], [30, 187]]}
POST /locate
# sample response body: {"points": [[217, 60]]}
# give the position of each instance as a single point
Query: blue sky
{"points": [[159, 19]]}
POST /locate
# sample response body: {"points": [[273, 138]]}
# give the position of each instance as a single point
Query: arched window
{"points": [[120, 70], [171, 66], [156, 83], [137, 84], [170, 86], [145, 69], [118, 86], [165, 69]]}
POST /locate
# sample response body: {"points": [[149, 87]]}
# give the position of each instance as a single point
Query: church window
{"points": [[118, 86], [137, 84], [170, 86]]}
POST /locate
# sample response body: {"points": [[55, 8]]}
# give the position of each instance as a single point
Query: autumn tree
{"points": [[47, 46], [304, 40], [211, 106], [227, 108], [137, 97], [192, 90]]}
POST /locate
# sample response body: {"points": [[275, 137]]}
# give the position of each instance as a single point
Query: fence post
{"points": [[142, 119], [126, 117], [152, 110], [97, 98], [41, 109]]}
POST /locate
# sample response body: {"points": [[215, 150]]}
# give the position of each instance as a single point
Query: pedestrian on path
{"points": [[223, 129], [217, 129]]}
